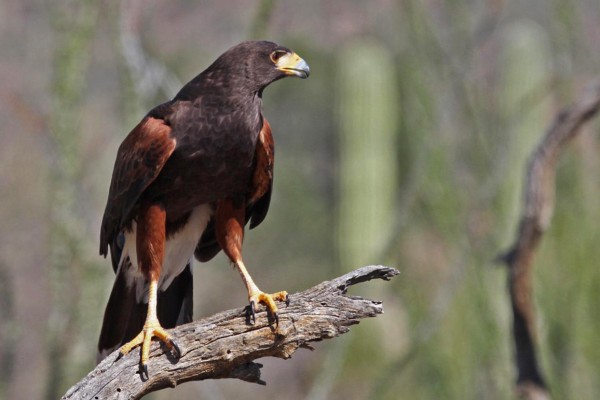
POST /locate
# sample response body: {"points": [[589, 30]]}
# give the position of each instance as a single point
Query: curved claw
{"points": [[175, 349], [251, 313], [287, 299], [144, 371]]}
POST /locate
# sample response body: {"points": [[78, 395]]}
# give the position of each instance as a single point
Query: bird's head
{"points": [[256, 64]]}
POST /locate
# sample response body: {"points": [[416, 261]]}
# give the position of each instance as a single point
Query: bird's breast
{"points": [[211, 161]]}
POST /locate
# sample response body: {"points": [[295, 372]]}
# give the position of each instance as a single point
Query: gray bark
{"points": [[225, 345]]}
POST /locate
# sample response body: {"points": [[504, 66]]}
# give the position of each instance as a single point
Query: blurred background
{"points": [[406, 147]]}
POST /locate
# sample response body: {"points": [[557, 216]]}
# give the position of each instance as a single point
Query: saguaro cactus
{"points": [[367, 124], [525, 74]]}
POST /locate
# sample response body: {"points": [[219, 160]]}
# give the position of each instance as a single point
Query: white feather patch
{"points": [[179, 250]]}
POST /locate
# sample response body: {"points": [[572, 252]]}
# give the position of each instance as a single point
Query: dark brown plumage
{"points": [[186, 181]]}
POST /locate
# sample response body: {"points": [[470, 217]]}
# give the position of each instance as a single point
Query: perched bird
{"points": [[186, 181]]}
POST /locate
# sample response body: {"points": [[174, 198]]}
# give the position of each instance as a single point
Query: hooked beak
{"points": [[292, 65]]}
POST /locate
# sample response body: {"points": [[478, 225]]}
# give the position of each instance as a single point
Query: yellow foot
{"points": [[269, 301], [150, 329]]}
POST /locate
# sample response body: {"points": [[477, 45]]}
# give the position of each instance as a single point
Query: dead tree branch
{"points": [[535, 219], [225, 346]]}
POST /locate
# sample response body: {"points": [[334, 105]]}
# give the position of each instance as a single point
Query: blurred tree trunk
{"points": [[525, 69], [367, 120], [367, 127], [73, 23]]}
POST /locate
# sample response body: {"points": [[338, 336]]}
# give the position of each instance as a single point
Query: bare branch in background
{"points": [[148, 75], [225, 346], [535, 219]]}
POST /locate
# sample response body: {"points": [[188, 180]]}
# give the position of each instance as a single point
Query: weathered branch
{"points": [[225, 346], [535, 219]]}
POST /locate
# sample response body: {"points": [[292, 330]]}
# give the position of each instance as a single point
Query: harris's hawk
{"points": [[186, 181]]}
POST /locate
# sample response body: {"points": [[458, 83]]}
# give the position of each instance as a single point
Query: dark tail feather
{"points": [[116, 315], [124, 317], [176, 304]]}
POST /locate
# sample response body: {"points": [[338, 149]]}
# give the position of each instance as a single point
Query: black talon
{"points": [[175, 349], [119, 356], [247, 314], [287, 300], [250, 312], [273, 317], [144, 371]]}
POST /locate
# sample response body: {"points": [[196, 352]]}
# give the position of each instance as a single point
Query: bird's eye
{"points": [[277, 54]]}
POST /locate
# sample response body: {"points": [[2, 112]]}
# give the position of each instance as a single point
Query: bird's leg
{"points": [[150, 238], [152, 328], [230, 234]]}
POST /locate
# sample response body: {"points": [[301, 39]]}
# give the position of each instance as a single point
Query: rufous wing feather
{"points": [[140, 158]]}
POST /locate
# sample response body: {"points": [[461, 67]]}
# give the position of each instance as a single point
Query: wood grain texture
{"points": [[225, 346]]}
